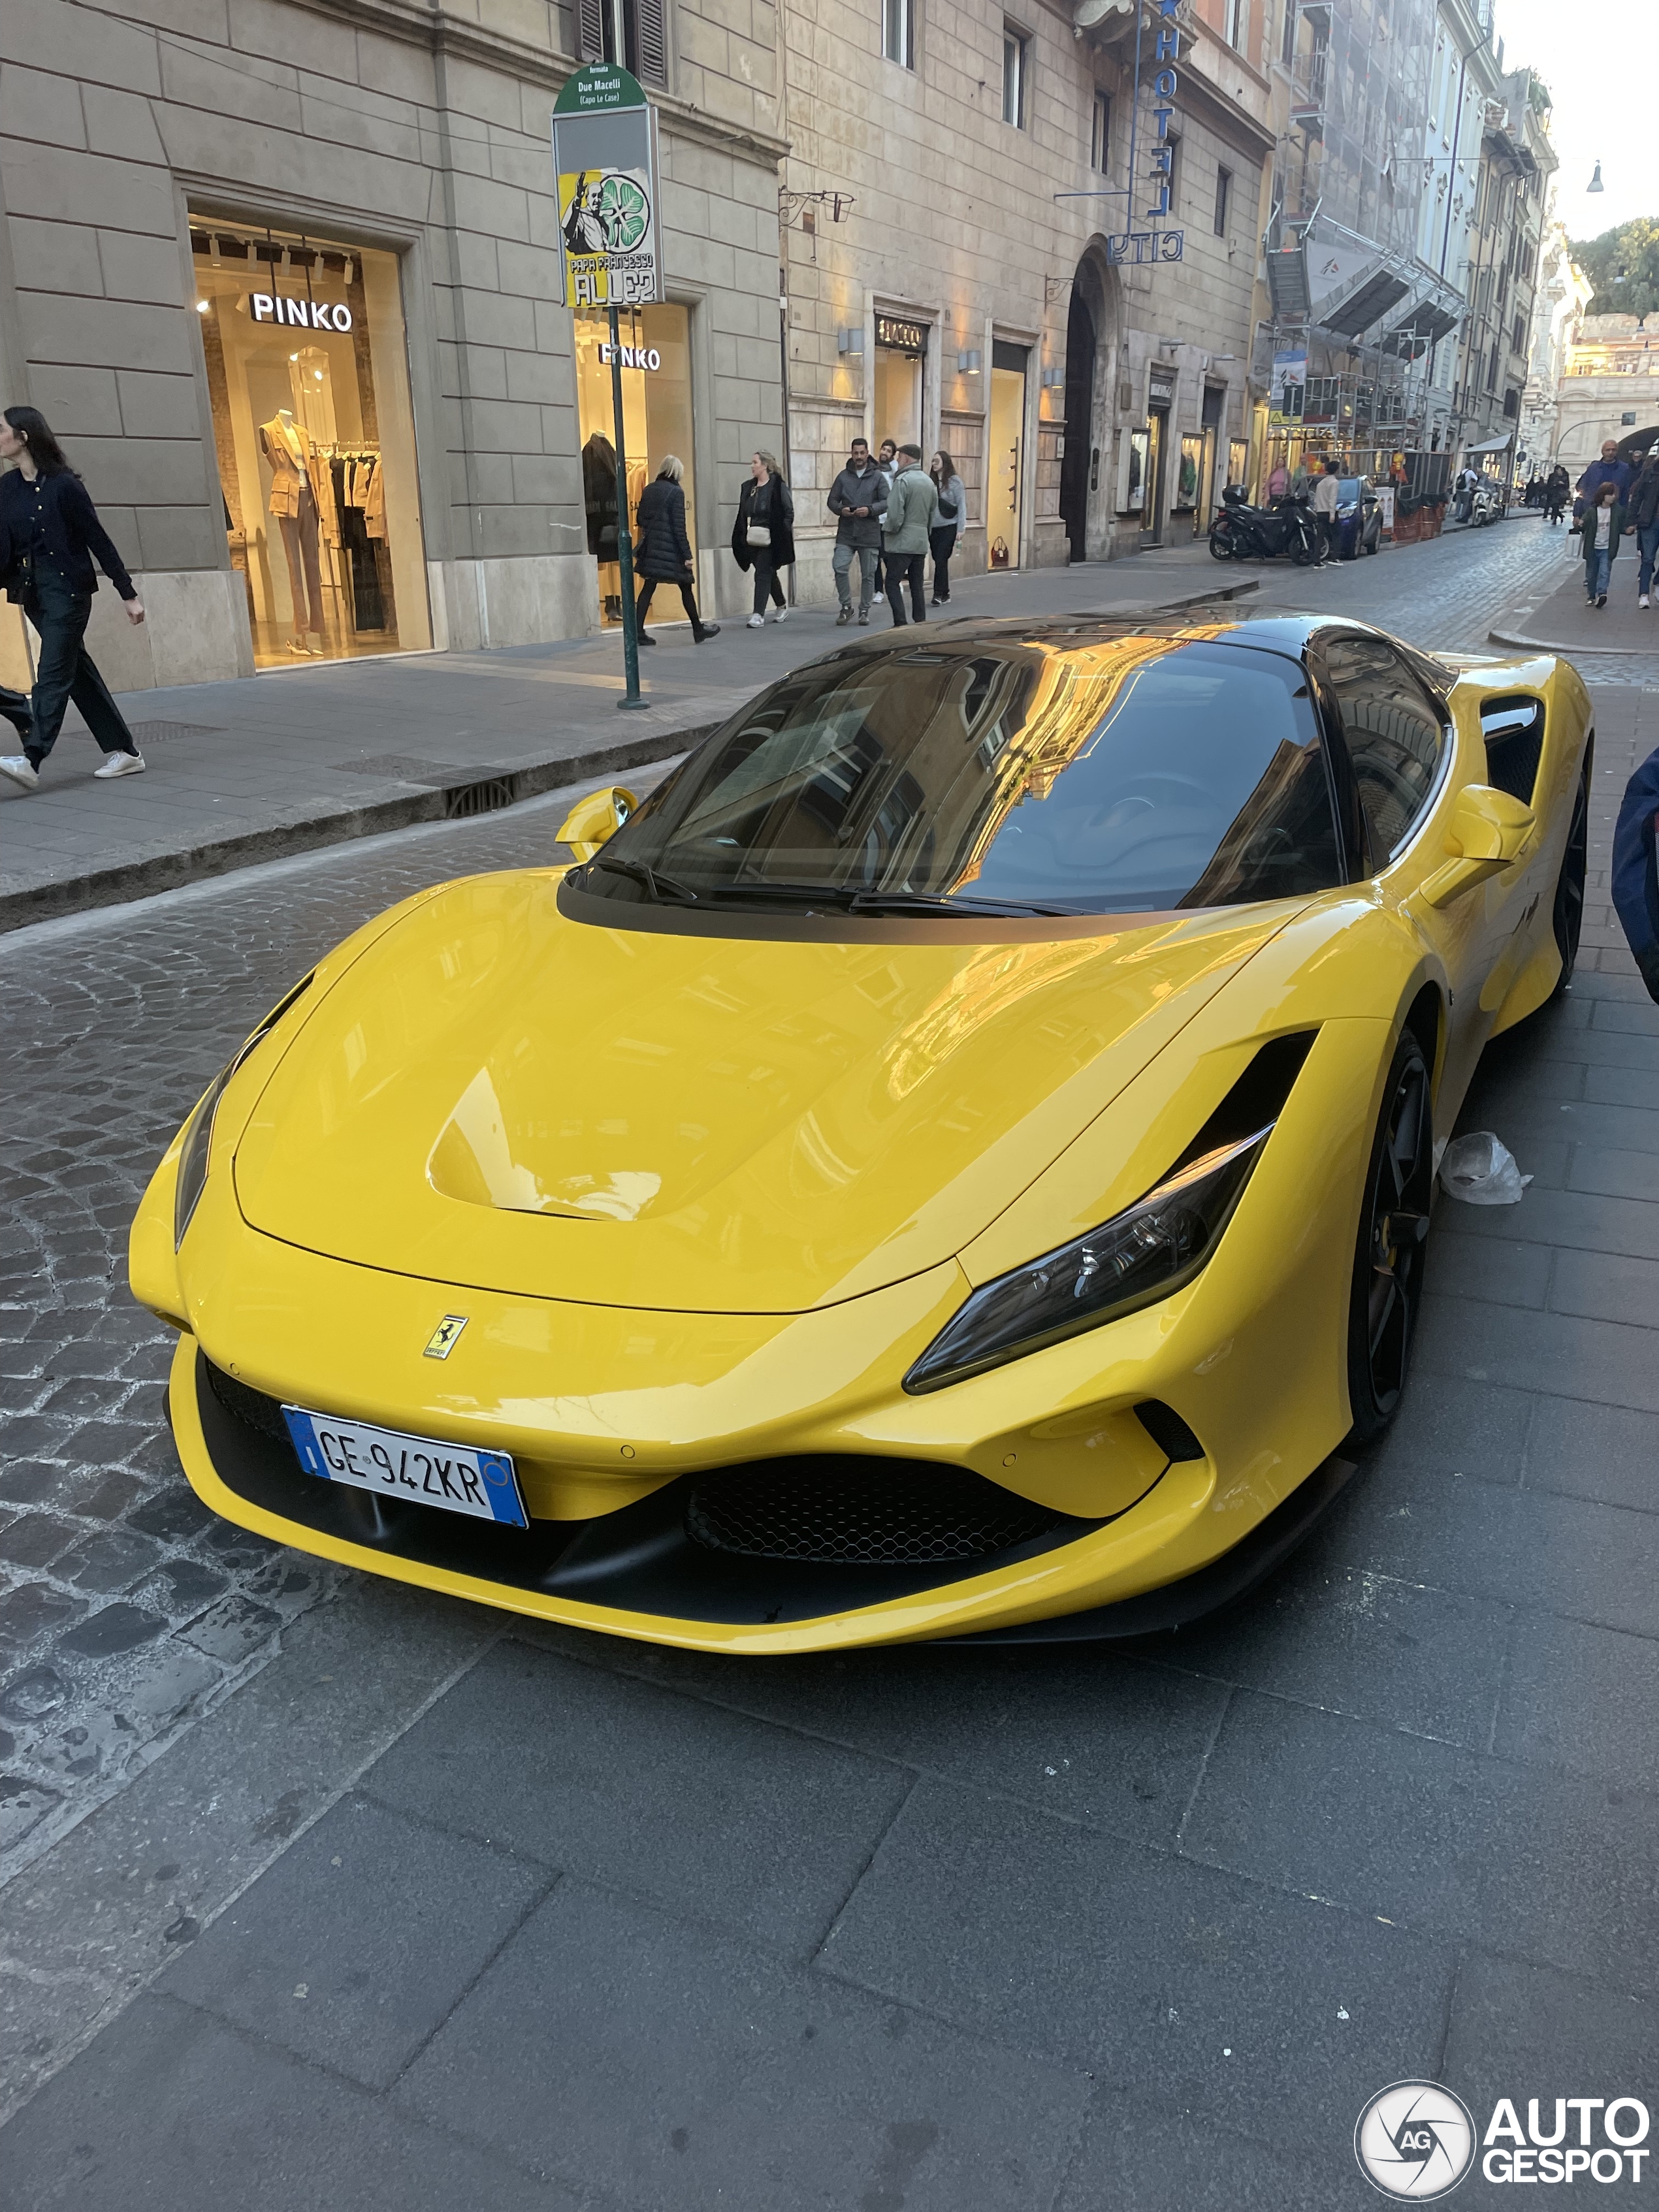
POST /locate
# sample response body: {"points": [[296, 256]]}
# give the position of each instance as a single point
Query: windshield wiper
{"points": [[847, 898], [666, 890]]}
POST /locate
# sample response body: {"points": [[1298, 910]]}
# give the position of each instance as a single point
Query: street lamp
{"points": [[1595, 183]]}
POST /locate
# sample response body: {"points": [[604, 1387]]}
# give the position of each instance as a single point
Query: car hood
{"points": [[495, 1094]]}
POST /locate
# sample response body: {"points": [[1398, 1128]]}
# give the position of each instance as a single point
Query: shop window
{"points": [[1016, 64], [901, 349], [632, 32], [898, 31], [656, 380], [308, 379]]}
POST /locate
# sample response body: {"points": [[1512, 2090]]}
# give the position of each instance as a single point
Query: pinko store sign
{"points": [[302, 314]]}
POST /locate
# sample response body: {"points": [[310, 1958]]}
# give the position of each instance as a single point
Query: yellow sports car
{"points": [[956, 1161]]}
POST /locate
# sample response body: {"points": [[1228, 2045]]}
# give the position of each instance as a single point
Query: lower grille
{"points": [[252, 1406], [843, 1512]]}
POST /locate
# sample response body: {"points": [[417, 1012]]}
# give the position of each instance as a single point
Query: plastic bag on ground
{"points": [[1481, 1171]]}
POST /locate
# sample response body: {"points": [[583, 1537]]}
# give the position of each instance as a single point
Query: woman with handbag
{"points": [[764, 535], [952, 520], [663, 555]]}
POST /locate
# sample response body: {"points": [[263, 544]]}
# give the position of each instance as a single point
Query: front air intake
{"points": [[827, 1511]]}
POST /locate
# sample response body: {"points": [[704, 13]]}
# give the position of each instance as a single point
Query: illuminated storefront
{"points": [[313, 435], [657, 421]]}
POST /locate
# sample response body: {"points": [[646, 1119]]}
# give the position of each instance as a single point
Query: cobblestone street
{"points": [[960, 1932]]}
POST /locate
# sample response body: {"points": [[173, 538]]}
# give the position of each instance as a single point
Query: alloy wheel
{"points": [[1393, 1246], [1569, 915]]}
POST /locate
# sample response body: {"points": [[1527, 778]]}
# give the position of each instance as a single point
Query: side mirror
{"points": [[1489, 831], [593, 819]]}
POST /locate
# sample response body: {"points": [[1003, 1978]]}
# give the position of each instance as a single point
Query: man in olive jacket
{"points": [[912, 511], [858, 500]]}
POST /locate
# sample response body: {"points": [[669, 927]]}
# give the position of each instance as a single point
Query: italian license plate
{"points": [[415, 1470]]}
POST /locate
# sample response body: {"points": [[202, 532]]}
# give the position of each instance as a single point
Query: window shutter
{"points": [[651, 20], [590, 30]]}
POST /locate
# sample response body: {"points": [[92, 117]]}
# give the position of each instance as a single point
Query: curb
{"points": [[1574, 651], [498, 788]]}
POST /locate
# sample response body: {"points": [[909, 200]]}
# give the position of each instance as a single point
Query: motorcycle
{"points": [[1241, 533], [1488, 505]]}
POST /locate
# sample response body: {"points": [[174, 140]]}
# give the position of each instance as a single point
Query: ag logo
{"points": [[441, 1342], [1415, 2141]]}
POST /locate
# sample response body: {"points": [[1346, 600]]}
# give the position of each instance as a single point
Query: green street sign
{"points": [[599, 86]]}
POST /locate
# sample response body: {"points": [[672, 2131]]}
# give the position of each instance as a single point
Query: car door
{"points": [[1400, 744]]}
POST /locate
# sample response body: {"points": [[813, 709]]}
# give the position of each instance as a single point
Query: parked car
{"points": [[959, 1156], [1359, 519]]}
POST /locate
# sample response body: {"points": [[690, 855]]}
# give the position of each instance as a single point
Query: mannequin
{"points": [[288, 448]]}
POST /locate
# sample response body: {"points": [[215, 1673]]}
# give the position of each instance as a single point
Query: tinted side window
{"points": [[1393, 735]]}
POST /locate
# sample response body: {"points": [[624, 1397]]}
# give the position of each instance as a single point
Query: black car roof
{"points": [[1063, 633]]}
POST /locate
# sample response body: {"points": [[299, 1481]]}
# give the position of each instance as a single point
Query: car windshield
{"points": [[1348, 491], [1136, 774]]}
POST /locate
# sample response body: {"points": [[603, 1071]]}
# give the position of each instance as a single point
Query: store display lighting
{"points": [[202, 306], [348, 269], [213, 248]]}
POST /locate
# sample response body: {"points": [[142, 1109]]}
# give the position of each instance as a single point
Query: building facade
{"points": [[1610, 390], [1559, 298], [286, 280], [1516, 164], [969, 261]]}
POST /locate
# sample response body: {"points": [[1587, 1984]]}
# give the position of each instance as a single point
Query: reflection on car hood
{"points": [[497, 1094]]}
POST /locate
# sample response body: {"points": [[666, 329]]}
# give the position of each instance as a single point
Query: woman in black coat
{"points": [[662, 553], [765, 533], [50, 535]]}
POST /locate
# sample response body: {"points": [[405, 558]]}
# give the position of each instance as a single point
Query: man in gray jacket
{"points": [[912, 512], [858, 500]]}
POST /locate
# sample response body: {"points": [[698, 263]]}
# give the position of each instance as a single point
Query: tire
{"points": [[1305, 549], [1568, 915], [1221, 541], [1392, 1246]]}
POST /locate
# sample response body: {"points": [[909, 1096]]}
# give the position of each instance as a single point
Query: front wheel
{"points": [[1305, 548], [1568, 918], [1393, 1244], [1221, 540]]}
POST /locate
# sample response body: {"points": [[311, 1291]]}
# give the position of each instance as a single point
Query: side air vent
{"points": [[1513, 731], [252, 1406], [1257, 1099], [1167, 1430]]}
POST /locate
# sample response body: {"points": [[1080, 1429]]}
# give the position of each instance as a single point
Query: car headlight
{"points": [[1140, 1256], [199, 1132]]}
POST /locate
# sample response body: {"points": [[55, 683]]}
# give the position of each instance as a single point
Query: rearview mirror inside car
{"points": [[1488, 830], [596, 817]]}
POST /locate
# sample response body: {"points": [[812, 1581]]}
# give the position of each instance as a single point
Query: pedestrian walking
{"points": [[887, 462], [1556, 490], [1464, 487], [1327, 496], [1604, 526], [663, 552], [49, 536], [763, 534], [1634, 878], [1608, 470], [952, 520], [912, 512], [858, 500], [1642, 516]]}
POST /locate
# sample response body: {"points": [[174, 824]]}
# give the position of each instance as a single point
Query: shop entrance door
{"points": [[1151, 513], [1005, 477], [656, 381]]}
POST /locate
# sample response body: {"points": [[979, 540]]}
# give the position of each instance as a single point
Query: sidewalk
{"points": [[1564, 622], [300, 757]]}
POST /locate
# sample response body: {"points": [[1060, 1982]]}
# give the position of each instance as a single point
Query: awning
{"points": [[1491, 445]]}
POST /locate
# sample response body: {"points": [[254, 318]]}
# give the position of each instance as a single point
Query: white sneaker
{"points": [[20, 770], [1643, 601], [119, 764], [877, 598], [782, 614], [757, 622]]}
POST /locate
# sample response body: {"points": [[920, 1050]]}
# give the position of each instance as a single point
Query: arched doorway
{"points": [[1086, 468], [1079, 423]]}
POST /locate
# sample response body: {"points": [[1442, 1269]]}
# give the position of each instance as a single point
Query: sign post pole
{"points": [[624, 534], [605, 161]]}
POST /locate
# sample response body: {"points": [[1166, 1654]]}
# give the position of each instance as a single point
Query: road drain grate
{"points": [[463, 801]]}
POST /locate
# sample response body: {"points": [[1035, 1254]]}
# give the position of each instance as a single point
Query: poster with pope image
{"points": [[605, 156]]}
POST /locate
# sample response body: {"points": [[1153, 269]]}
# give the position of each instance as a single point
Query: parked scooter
{"points": [[1241, 533], [1488, 505]]}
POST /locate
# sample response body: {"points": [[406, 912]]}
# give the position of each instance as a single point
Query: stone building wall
{"points": [[420, 130]]}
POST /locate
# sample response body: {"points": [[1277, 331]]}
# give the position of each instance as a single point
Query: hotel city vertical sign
{"points": [[1156, 245], [605, 160]]}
